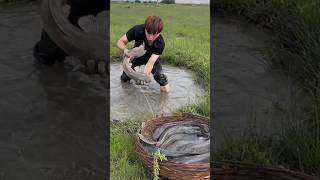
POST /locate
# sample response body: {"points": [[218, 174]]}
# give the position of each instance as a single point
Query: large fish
{"points": [[180, 145], [135, 53], [82, 45], [142, 138], [159, 130], [178, 129], [176, 138], [152, 149], [199, 148]]}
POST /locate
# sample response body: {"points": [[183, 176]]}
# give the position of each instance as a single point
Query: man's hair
{"points": [[153, 24]]}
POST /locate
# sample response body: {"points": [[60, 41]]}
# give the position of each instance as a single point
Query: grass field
{"points": [[296, 26], [187, 37], [124, 163], [186, 33]]}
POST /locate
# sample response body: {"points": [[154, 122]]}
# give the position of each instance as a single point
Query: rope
{"points": [[149, 105]]}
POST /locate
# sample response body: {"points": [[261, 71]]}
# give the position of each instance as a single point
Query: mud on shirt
{"points": [[137, 33]]}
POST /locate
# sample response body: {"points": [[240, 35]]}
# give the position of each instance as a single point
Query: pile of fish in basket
{"points": [[183, 139]]}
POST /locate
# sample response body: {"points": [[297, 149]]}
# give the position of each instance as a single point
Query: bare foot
{"points": [[165, 88]]}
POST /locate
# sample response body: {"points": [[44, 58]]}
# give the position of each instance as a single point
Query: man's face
{"points": [[151, 37]]}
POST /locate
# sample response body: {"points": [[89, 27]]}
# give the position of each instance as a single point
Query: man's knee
{"points": [[161, 78]]}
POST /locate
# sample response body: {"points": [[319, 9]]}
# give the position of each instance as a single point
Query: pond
{"points": [[130, 101]]}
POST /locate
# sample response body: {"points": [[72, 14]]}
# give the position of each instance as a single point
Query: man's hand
{"points": [[126, 53], [147, 70], [149, 66], [121, 44]]}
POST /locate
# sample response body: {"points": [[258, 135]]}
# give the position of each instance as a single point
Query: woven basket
{"points": [[169, 168], [235, 170]]}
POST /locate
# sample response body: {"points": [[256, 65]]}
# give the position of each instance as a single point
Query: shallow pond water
{"points": [[131, 101]]}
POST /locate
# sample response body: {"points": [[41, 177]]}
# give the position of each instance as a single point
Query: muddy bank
{"points": [[53, 119], [248, 94], [130, 101]]}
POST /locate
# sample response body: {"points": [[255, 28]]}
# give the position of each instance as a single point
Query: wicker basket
{"points": [[235, 170], [172, 169]]}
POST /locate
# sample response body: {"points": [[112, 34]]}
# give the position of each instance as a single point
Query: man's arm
{"points": [[150, 63], [122, 42]]}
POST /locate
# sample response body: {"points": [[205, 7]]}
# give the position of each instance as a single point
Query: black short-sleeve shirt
{"points": [[137, 33]]}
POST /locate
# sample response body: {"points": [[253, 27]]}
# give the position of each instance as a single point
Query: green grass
{"points": [[249, 147], [296, 26], [187, 37], [124, 163], [199, 106]]}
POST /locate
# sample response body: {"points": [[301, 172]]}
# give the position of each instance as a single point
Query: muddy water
{"points": [[248, 94], [52, 119], [130, 101]]}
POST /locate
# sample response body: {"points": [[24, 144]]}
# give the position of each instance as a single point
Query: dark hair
{"points": [[153, 24]]}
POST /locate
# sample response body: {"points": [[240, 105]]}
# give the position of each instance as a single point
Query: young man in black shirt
{"points": [[149, 34]]}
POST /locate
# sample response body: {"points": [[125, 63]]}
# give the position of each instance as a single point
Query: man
{"points": [[46, 51], [149, 34]]}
